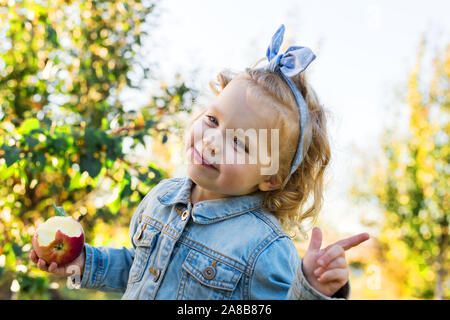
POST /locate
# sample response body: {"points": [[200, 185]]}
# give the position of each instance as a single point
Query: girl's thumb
{"points": [[316, 240]]}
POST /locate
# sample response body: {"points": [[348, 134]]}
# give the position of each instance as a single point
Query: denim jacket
{"points": [[227, 248]]}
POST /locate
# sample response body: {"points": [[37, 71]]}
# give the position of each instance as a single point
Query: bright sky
{"points": [[365, 50]]}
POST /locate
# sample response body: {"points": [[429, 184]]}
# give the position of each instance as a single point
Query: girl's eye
{"points": [[213, 120], [241, 144]]}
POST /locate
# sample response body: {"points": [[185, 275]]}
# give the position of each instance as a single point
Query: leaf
{"points": [[75, 182], [94, 139], [31, 142], [59, 211], [150, 123], [52, 36], [58, 144], [115, 205], [10, 259], [12, 154], [39, 160], [126, 191], [140, 137], [164, 138], [157, 173], [90, 164], [29, 125], [39, 130], [114, 148]]}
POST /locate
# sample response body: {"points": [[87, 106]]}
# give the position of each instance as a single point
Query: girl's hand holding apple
{"points": [[60, 270], [58, 245]]}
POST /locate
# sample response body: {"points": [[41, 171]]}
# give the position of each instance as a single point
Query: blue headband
{"points": [[286, 65]]}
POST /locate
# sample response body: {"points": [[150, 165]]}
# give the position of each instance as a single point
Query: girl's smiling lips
{"points": [[200, 159]]}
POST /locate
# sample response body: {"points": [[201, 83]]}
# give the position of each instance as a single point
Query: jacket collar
{"points": [[209, 211]]}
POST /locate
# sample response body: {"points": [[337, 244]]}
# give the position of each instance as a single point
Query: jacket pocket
{"points": [[144, 240], [205, 277]]}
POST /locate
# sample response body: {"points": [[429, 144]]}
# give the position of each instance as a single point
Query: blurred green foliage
{"points": [[411, 185], [63, 65]]}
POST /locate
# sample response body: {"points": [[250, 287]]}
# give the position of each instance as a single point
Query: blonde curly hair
{"points": [[288, 203]]}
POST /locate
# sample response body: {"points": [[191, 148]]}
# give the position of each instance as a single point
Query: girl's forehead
{"points": [[238, 107]]}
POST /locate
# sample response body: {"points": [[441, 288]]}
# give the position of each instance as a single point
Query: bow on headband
{"points": [[293, 61], [289, 64]]}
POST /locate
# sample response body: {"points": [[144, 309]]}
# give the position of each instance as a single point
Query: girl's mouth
{"points": [[200, 159]]}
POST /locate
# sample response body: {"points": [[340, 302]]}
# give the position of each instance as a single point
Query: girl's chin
{"points": [[200, 179], [198, 173]]}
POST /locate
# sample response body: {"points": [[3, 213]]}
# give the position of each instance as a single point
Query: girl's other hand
{"points": [[326, 269], [64, 270]]}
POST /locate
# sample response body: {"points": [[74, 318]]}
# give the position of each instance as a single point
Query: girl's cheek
{"points": [[193, 133], [198, 130], [231, 175], [188, 138], [236, 173]]}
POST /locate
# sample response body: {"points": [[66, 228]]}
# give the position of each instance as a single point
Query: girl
{"points": [[219, 233]]}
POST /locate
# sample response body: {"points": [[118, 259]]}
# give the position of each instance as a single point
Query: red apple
{"points": [[59, 239]]}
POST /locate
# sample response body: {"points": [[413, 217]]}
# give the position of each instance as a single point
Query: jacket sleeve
{"points": [[107, 269], [273, 271], [278, 275]]}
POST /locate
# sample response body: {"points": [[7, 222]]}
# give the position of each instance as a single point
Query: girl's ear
{"points": [[269, 184]]}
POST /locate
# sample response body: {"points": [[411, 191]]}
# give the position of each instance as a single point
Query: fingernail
{"points": [[317, 271], [320, 262]]}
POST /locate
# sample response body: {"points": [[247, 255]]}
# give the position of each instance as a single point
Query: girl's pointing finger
{"points": [[353, 241]]}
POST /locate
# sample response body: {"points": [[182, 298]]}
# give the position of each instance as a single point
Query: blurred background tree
{"points": [[63, 65], [410, 182]]}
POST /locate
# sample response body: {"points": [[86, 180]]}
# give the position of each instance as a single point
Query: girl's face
{"points": [[207, 142]]}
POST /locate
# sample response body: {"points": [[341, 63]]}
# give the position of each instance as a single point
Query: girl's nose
{"points": [[211, 144]]}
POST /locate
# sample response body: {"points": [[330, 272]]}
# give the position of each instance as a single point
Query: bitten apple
{"points": [[59, 239]]}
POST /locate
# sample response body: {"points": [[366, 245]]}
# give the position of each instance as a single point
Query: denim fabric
{"points": [[216, 249]]}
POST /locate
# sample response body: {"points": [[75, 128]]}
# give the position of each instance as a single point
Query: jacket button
{"points": [[209, 273], [141, 232], [156, 274], [184, 215]]}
